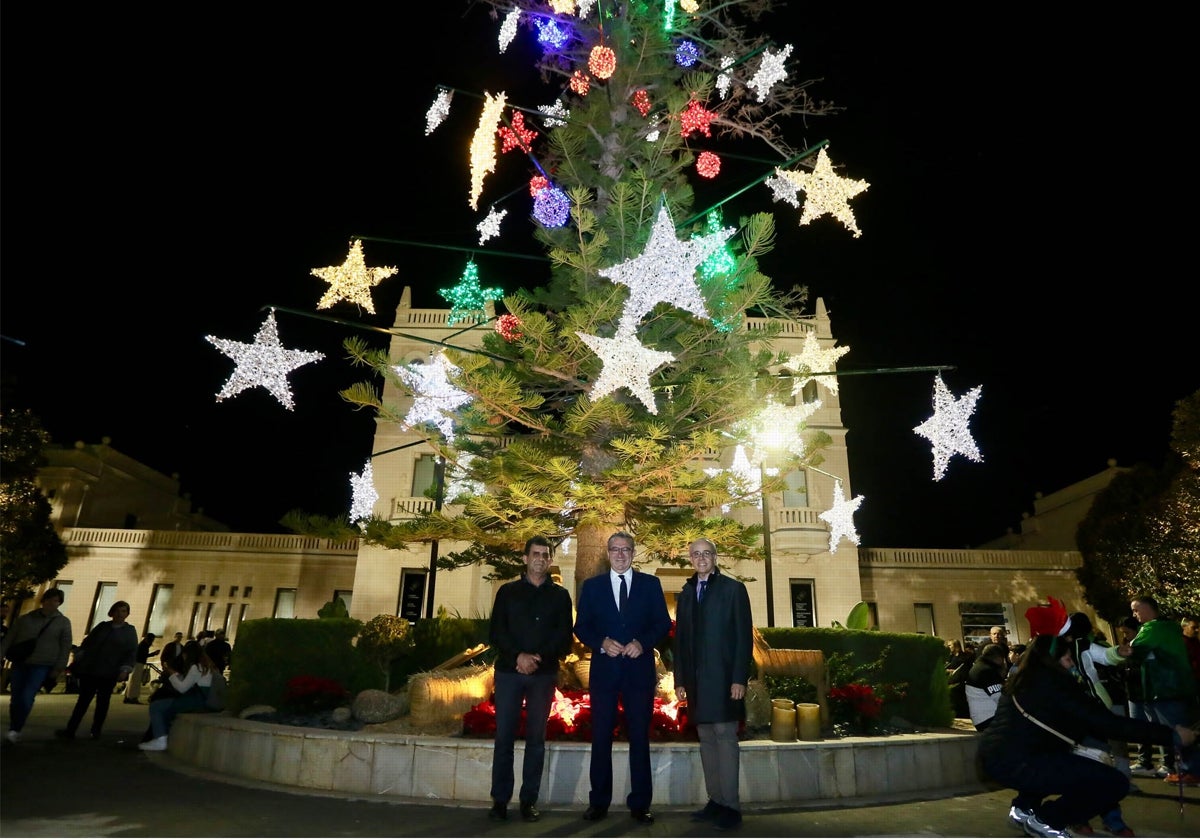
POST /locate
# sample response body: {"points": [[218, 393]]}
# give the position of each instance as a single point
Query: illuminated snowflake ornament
{"points": [[265, 363], [555, 114], [483, 144], [725, 77], [438, 111], [665, 272], [947, 429], [627, 364], [818, 361], [784, 189], [433, 395], [352, 280], [827, 193], [508, 29], [841, 517], [467, 299], [363, 495], [585, 8], [770, 72], [489, 228]]}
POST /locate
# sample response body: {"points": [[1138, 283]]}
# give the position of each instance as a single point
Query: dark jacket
{"points": [[984, 683], [106, 650], [1058, 700], [531, 619], [714, 647], [645, 619]]}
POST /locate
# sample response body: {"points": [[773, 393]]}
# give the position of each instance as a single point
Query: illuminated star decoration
{"points": [[780, 428], [433, 395], [695, 118], [743, 480], [555, 114], [264, 363], [770, 71], [516, 137], [483, 144], [841, 517], [947, 428], [627, 364], [352, 280], [508, 29], [784, 189], [490, 226], [467, 299], [725, 79], [550, 34], [363, 495], [818, 360], [665, 272], [826, 192], [438, 111]]}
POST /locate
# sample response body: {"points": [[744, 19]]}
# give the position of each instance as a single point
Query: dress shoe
{"points": [[728, 819], [642, 816], [530, 813], [708, 812], [137, 702], [595, 812], [499, 812]]}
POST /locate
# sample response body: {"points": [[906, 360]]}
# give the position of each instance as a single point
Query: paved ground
{"points": [[109, 788]]}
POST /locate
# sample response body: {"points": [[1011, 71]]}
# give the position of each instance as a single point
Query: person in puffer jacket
{"points": [[1017, 752]]}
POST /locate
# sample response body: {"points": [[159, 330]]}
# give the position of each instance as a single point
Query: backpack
{"points": [[215, 701]]}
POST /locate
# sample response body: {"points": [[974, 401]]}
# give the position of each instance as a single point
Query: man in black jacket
{"points": [[714, 649]]}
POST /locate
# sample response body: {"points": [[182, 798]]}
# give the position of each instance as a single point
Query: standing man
{"points": [[133, 686], [1168, 688], [171, 651], [531, 634], [622, 616], [219, 650], [714, 649], [999, 636], [50, 632]]}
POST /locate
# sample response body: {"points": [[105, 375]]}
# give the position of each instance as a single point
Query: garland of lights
{"points": [[265, 363], [352, 280]]}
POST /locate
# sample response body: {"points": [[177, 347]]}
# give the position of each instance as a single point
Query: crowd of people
{"points": [[1058, 724], [39, 650]]}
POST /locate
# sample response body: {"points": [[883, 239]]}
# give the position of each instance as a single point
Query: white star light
{"points": [[841, 518], [770, 71], [783, 189], [363, 495], [554, 114], [627, 364], [490, 226], [780, 428], [665, 272], [438, 111], [827, 193], [744, 478], [725, 78], [266, 362], [433, 395], [947, 428], [818, 360], [508, 29]]}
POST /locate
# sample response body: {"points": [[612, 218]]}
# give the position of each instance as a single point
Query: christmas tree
{"points": [[600, 399]]}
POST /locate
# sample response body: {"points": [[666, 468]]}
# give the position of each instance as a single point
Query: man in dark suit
{"points": [[714, 652], [622, 615]]}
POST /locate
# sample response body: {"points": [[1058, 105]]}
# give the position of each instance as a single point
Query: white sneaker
{"points": [[159, 744], [13, 736], [1145, 771], [1036, 828], [1018, 816]]}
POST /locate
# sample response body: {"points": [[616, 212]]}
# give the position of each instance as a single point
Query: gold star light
{"points": [[352, 280], [665, 272], [627, 364], [266, 362], [827, 193], [817, 360], [841, 518], [947, 428]]}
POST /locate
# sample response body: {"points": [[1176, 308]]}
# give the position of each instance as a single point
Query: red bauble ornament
{"points": [[708, 164], [641, 101], [509, 327], [580, 83], [602, 62]]}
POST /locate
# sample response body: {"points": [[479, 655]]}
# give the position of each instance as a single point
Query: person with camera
{"points": [[37, 646]]}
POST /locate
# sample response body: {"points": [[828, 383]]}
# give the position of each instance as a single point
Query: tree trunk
{"points": [[591, 552]]}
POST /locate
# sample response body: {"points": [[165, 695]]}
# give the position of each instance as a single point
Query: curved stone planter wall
{"points": [[459, 769]]}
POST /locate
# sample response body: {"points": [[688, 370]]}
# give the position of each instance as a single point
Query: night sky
{"points": [[170, 175]]}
